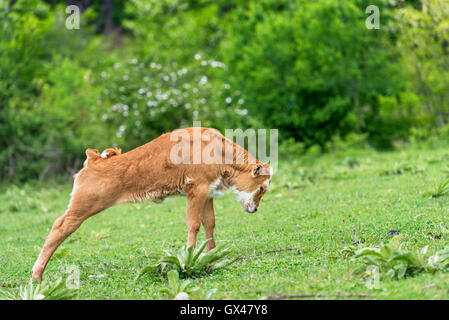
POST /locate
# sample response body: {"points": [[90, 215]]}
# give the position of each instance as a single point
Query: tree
{"points": [[311, 69], [423, 42]]}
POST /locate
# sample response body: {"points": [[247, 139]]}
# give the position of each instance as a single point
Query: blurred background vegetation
{"points": [[138, 68]]}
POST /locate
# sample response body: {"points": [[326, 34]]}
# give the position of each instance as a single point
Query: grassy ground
{"points": [[319, 205]]}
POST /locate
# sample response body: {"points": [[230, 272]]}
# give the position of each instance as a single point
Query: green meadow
{"points": [[318, 209]]}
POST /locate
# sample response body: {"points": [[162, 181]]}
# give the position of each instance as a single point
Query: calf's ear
{"points": [[257, 169], [92, 154]]}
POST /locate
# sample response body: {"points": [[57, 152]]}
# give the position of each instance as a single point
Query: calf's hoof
{"points": [[36, 276]]}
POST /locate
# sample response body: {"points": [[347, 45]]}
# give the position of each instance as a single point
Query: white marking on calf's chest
{"points": [[214, 190]]}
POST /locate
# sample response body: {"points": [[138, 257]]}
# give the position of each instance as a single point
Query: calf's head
{"points": [[250, 185]]}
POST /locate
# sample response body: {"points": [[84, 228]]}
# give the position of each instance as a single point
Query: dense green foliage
{"points": [[134, 69]]}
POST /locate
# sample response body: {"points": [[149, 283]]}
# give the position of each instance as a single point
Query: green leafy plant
{"points": [[439, 190], [178, 289], [394, 262], [190, 261], [42, 291]]}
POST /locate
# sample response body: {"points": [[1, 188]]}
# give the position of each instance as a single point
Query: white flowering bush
{"points": [[142, 99]]}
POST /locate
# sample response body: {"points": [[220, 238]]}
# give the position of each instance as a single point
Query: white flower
{"points": [[197, 56], [242, 112], [203, 81], [228, 100], [116, 106], [151, 103], [217, 64], [120, 132]]}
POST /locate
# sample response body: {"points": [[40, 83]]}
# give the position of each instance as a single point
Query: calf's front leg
{"points": [[209, 223], [196, 202]]}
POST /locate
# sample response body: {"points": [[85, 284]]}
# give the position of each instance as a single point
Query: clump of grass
{"points": [[21, 201], [190, 261], [394, 262], [42, 291], [178, 289], [402, 168], [350, 162], [438, 190]]}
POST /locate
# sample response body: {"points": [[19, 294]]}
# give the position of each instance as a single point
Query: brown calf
{"points": [[155, 171]]}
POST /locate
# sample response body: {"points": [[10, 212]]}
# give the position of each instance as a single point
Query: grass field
{"points": [[318, 205]]}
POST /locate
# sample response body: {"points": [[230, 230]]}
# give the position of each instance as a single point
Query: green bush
{"points": [[142, 99], [311, 69]]}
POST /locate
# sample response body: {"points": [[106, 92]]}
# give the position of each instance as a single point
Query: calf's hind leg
{"points": [[62, 228], [79, 210]]}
